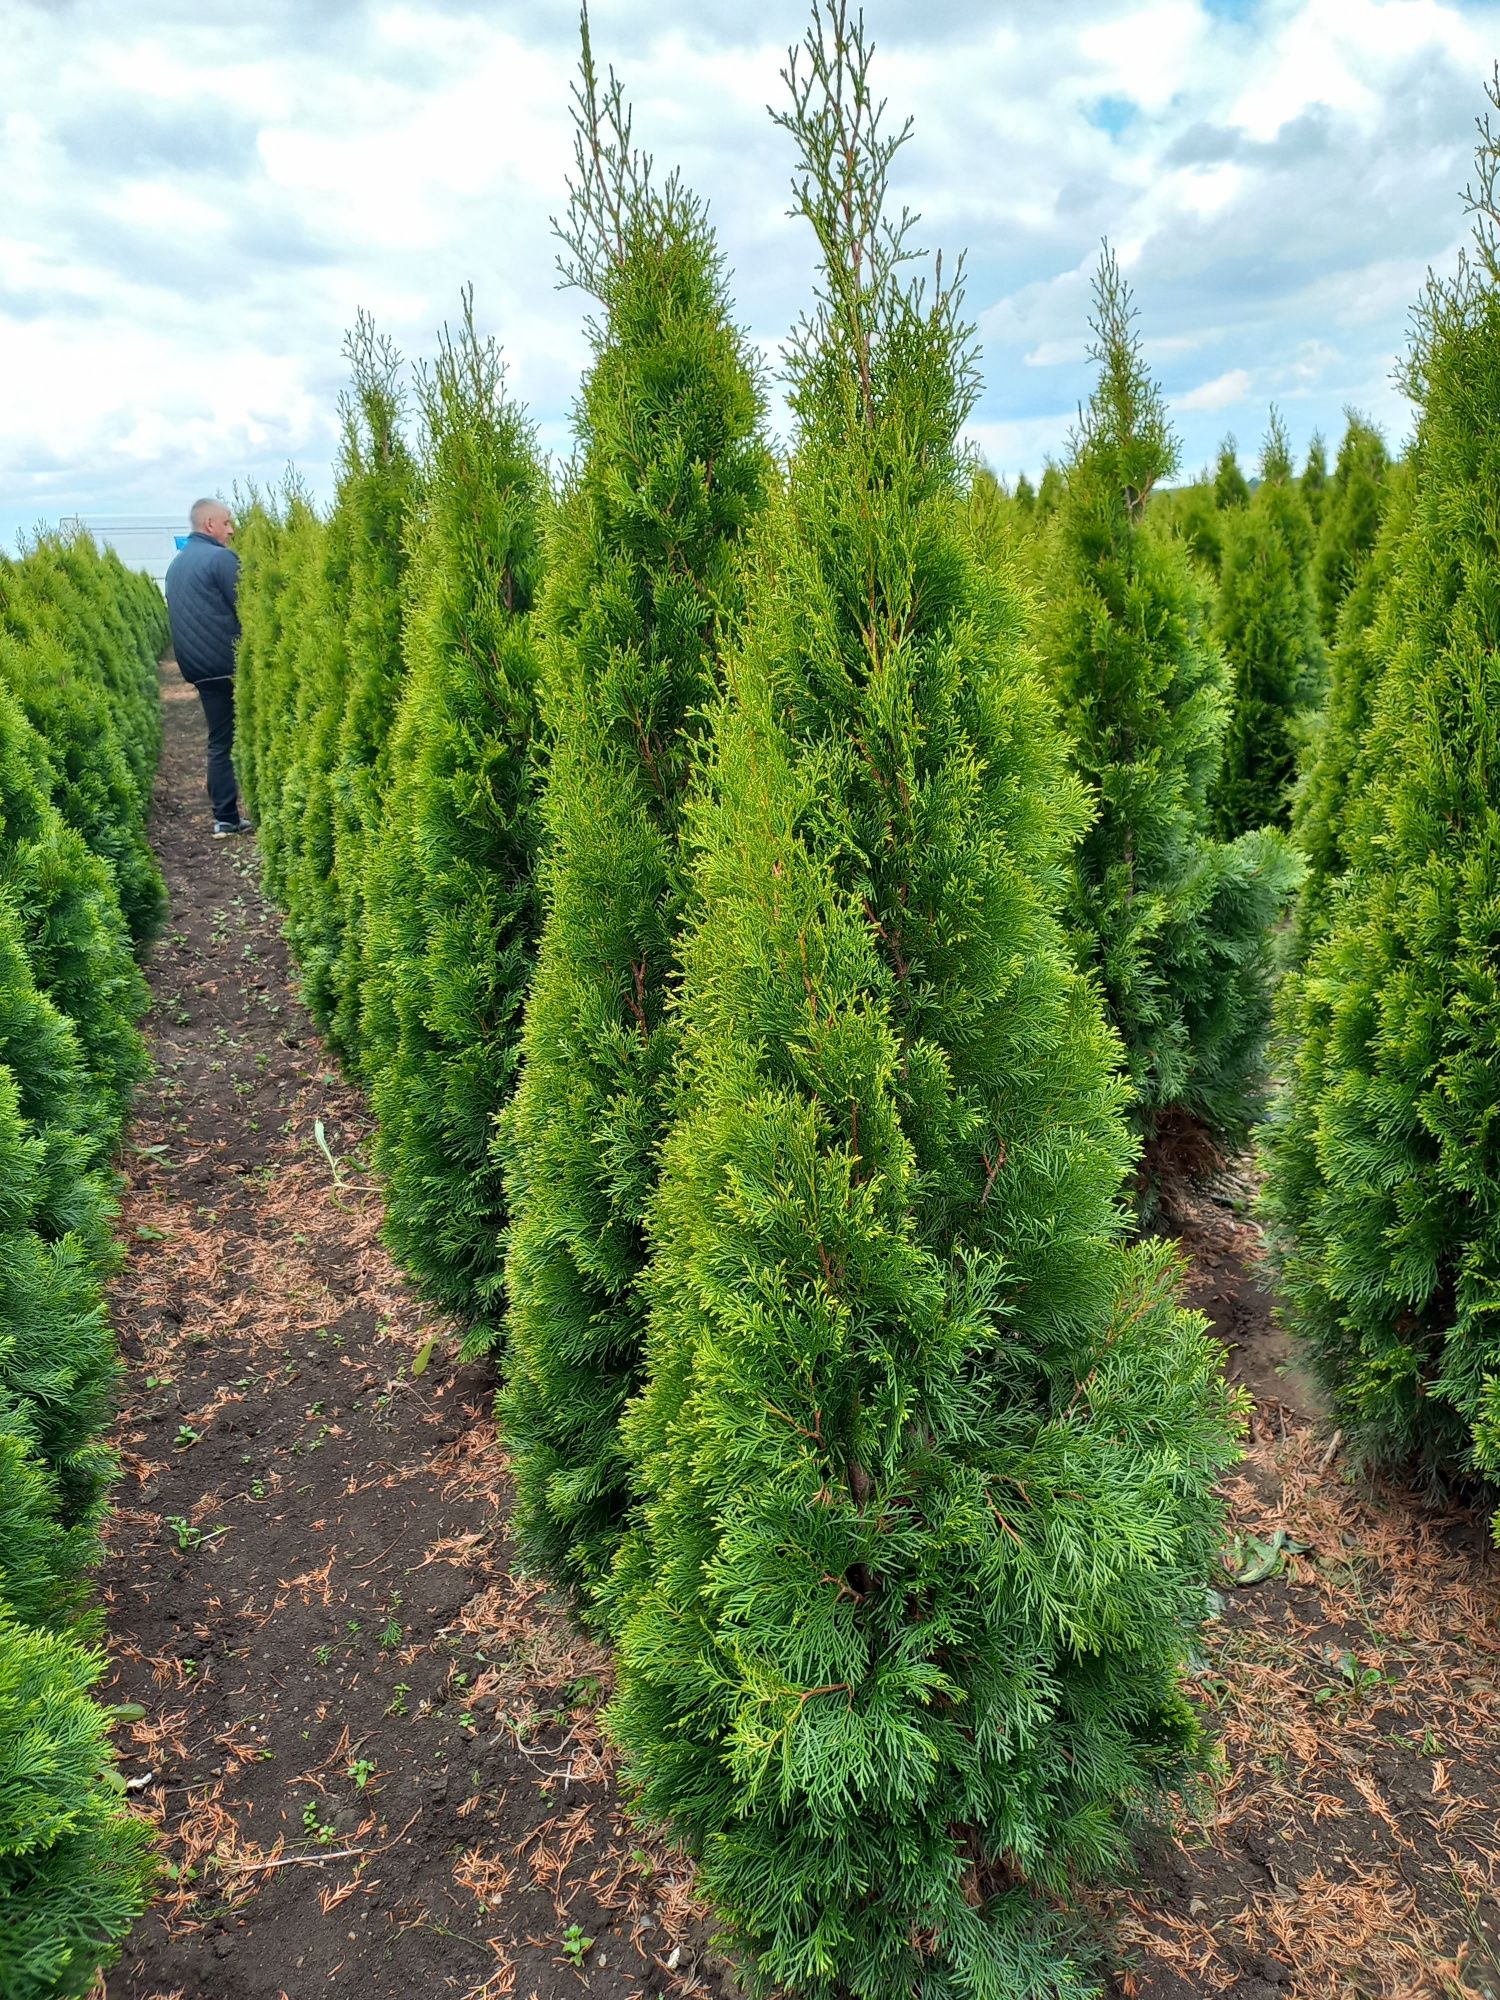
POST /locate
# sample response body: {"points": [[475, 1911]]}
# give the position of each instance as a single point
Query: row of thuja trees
{"points": [[79, 894], [785, 910]]}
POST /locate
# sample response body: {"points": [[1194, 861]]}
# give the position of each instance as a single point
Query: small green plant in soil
{"points": [[315, 1827], [575, 1946]]}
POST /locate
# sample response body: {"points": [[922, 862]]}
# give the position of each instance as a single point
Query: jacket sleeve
{"points": [[226, 578]]}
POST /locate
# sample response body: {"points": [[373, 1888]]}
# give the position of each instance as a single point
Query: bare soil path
{"points": [[373, 1748]]}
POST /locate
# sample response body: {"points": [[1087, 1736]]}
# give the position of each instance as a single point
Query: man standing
{"points": [[202, 580]]}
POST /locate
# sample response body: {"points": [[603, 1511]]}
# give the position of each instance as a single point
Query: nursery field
{"points": [[810, 1299], [372, 1746]]}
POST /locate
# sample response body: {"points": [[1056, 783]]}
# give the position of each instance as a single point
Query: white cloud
{"points": [[1233, 386], [197, 203]]}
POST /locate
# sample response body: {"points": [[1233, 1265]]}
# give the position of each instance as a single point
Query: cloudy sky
{"points": [[197, 199]]}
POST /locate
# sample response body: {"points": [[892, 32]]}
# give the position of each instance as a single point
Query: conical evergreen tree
{"points": [[86, 773], [1334, 771], [57, 1361], [1176, 926], [926, 1456], [74, 934], [284, 675], [1025, 494], [320, 672], [1268, 625], [643, 581], [1351, 518], [261, 601], [1191, 516], [1383, 1186], [453, 902], [1313, 485], [1231, 488], [1049, 494], [378, 495], [69, 598], [75, 1865]]}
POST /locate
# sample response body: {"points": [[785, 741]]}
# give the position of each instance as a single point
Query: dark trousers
{"points": [[217, 698]]}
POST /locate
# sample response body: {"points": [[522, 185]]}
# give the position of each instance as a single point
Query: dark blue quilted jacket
{"points": [[201, 582]]}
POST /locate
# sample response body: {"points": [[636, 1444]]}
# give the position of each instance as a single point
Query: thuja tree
{"points": [[926, 1456], [70, 591], [86, 770], [1383, 1185], [289, 678], [1193, 516], [453, 883], [261, 594], [75, 1865], [1369, 629], [643, 579], [1176, 925], [320, 669], [1313, 485], [1351, 516], [1231, 488], [378, 490], [1268, 625], [75, 935]]}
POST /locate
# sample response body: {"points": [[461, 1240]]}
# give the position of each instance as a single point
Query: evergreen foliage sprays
{"points": [[1268, 625], [1231, 488], [377, 492], [74, 1864], [1176, 925], [79, 640], [643, 579], [1368, 629], [286, 686], [926, 1456], [452, 899], [1313, 484], [93, 709], [1351, 517], [75, 935], [1383, 1188]]}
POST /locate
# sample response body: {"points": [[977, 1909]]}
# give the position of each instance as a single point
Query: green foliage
{"points": [[1193, 517], [318, 670], [1313, 484], [452, 901], [643, 579], [1231, 488], [1383, 1188], [926, 1456], [86, 772], [84, 684], [1334, 775], [75, 935], [258, 544], [1351, 517], [1177, 927], [1268, 626], [285, 607], [75, 1866], [377, 491]]}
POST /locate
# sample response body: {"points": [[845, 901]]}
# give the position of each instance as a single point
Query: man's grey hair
{"points": [[200, 510]]}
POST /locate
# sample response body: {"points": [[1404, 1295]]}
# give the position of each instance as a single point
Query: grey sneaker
{"points": [[224, 827]]}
